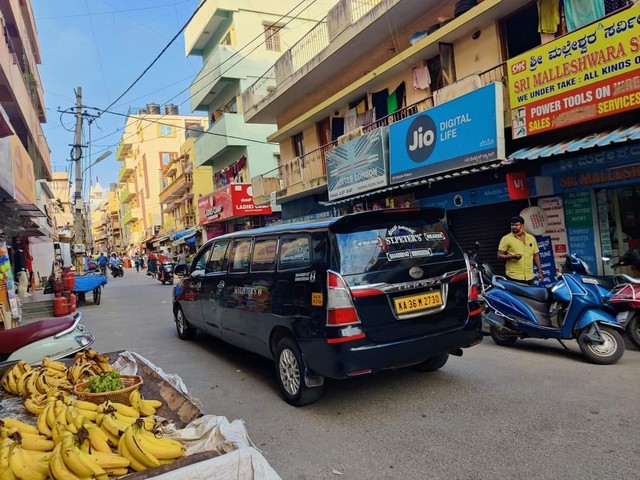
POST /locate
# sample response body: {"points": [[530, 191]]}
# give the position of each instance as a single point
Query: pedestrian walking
{"points": [[519, 250]]}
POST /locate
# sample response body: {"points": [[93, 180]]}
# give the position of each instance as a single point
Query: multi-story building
{"points": [[151, 141], [223, 33], [438, 103], [185, 183], [113, 225]]}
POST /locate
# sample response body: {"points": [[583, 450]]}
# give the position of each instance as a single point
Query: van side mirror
{"points": [[181, 271]]}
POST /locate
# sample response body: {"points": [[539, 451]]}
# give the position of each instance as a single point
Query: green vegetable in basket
{"points": [[106, 382]]}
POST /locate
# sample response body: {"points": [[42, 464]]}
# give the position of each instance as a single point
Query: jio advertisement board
{"points": [[463, 132]]}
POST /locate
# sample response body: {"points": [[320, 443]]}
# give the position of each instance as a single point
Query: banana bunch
{"points": [[86, 364], [144, 450], [17, 462], [13, 375], [145, 407]]}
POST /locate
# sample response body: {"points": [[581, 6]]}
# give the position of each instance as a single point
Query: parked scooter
{"points": [[620, 290], [50, 337], [117, 270], [165, 272], [572, 308]]}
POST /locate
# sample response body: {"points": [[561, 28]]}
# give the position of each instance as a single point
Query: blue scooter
{"points": [[572, 308]]}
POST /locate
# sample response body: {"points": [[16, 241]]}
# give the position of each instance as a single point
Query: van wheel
{"points": [[185, 331], [290, 372], [432, 364]]}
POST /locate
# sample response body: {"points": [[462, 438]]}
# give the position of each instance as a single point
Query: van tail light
{"points": [[340, 308], [472, 287]]}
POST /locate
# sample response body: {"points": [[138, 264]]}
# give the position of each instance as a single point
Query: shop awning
{"points": [[187, 236], [620, 135]]}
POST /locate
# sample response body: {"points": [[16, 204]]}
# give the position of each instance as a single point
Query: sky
{"points": [[103, 46]]}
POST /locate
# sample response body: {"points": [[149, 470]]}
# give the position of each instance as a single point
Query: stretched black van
{"points": [[335, 298]]}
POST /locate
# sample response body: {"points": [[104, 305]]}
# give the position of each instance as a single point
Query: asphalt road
{"points": [[533, 411]]}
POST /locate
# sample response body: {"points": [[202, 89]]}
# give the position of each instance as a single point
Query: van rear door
{"points": [[407, 275]]}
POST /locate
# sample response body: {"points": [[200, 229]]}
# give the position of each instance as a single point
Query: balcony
{"points": [[225, 134], [124, 149], [352, 25], [126, 170], [129, 216], [115, 226], [177, 189], [127, 193], [203, 27]]}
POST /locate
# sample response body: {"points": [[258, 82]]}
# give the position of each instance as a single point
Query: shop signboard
{"points": [[556, 228], [547, 261], [24, 178], [6, 168], [579, 220], [464, 132], [474, 197], [234, 200], [591, 72], [358, 166]]}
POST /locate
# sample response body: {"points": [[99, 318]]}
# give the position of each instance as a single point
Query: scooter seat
{"points": [[15, 338], [605, 281], [539, 294]]}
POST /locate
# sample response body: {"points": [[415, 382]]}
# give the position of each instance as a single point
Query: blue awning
{"points": [[184, 233], [620, 135]]}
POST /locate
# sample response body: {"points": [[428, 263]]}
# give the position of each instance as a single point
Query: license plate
{"points": [[415, 303], [622, 317]]}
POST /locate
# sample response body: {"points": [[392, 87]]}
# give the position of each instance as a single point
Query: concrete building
{"points": [[239, 40], [440, 102], [151, 141]]}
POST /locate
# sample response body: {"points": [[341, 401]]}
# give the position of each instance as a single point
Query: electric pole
{"points": [[78, 223]]}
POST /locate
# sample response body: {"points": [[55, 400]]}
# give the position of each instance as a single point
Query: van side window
{"points": [[264, 255], [240, 255], [295, 252], [200, 262], [218, 262]]}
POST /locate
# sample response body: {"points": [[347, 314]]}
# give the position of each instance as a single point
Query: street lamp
{"points": [[98, 160]]}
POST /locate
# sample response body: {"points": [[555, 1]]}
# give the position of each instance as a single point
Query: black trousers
{"points": [[524, 282]]}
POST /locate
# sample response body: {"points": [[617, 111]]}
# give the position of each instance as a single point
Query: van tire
{"points": [[290, 373], [185, 330], [432, 364]]}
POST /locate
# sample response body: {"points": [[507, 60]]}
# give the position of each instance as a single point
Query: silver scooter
{"points": [[54, 338]]}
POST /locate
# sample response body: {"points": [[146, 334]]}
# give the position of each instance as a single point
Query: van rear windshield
{"points": [[391, 245]]}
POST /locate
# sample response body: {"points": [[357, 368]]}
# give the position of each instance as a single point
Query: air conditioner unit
{"points": [[79, 248]]}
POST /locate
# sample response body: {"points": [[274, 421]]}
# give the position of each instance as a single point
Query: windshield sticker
{"points": [[404, 254]]}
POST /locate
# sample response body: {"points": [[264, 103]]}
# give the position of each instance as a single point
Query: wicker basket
{"points": [[130, 382]]}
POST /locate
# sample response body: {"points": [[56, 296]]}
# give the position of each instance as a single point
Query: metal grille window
{"points": [[272, 38]]}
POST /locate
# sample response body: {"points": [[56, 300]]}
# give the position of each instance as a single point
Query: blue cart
{"points": [[89, 283]]}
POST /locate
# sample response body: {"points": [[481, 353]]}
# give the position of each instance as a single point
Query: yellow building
{"points": [[185, 183], [62, 206], [150, 142]]}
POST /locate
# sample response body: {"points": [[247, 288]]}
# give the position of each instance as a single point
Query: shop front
{"points": [[230, 209]]}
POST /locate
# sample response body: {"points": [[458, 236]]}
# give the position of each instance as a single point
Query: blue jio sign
{"points": [[463, 132]]}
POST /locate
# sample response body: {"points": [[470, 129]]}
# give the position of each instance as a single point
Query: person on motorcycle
{"points": [[102, 263], [114, 261], [520, 250]]}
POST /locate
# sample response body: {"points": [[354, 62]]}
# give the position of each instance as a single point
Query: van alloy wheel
{"points": [[289, 372], [185, 331]]}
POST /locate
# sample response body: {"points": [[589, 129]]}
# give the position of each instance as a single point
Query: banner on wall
{"points": [[579, 218], [24, 178], [556, 228], [234, 200], [517, 185], [591, 72], [464, 132]]}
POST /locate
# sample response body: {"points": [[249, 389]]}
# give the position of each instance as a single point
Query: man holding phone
{"points": [[520, 250]]}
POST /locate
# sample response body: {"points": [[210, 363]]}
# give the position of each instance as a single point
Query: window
{"points": [[240, 255], [218, 262], [521, 30], [295, 252], [264, 255], [200, 262], [166, 130], [272, 38], [227, 39], [165, 158], [298, 145]]}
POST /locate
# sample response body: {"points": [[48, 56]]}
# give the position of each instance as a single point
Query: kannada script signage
{"points": [[592, 72], [234, 200]]}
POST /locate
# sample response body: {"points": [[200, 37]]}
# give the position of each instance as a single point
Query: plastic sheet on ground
{"points": [[243, 464]]}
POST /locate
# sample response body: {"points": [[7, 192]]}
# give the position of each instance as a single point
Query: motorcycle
{"points": [[117, 270], [620, 290], [49, 337], [572, 308], [165, 273]]}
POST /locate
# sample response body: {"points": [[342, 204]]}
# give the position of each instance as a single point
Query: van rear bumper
{"points": [[342, 359]]}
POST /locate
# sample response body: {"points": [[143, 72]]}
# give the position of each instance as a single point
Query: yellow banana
{"points": [[6, 447], [70, 454], [43, 426], [58, 469], [88, 414], [116, 472], [51, 415], [38, 443], [111, 438], [109, 460], [23, 382], [124, 452], [24, 466], [32, 407], [125, 410], [99, 440], [162, 448], [152, 402], [55, 365], [105, 367], [99, 418], [145, 457], [136, 402], [13, 383], [38, 457], [19, 425], [85, 405], [113, 426]]}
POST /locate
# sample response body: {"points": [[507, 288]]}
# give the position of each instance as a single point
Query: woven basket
{"points": [[130, 382]]}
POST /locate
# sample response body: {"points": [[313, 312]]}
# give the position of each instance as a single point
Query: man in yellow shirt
{"points": [[520, 250]]}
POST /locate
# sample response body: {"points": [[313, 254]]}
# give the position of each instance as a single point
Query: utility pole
{"points": [[78, 222]]}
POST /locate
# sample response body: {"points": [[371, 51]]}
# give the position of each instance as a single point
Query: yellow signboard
{"points": [[592, 72]]}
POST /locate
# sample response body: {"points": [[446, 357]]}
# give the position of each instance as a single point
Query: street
{"points": [[531, 411]]}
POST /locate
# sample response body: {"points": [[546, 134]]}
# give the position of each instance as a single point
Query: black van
{"points": [[335, 298]]}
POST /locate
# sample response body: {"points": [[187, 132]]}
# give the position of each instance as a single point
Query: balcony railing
{"points": [[316, 40], [127, 193]]}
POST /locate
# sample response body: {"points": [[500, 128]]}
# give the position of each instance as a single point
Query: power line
{"points": [[166, 47], [95, 42], [113, 11]]}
